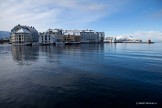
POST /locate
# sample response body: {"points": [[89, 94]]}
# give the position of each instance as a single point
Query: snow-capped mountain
{"points": [[4, 34], [127, 38]]}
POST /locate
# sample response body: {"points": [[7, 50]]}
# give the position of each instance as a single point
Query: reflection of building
{"points": [[23, 35], [24, 54]]}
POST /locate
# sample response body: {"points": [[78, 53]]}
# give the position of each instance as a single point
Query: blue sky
{"points": [[139, 18]]}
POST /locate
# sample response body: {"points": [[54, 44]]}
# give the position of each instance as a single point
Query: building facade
{"points": [[54, 36], [23, 35], [51, 36], [101, 36], [71, 36], [90, 36]]}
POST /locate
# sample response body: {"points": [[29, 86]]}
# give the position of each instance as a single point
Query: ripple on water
{"points": [[81, 76]]}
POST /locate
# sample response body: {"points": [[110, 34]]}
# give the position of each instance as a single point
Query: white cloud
{"points": [[44, 14]]}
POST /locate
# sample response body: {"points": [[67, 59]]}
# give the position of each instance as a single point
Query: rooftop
{"points": [[22, 30]]}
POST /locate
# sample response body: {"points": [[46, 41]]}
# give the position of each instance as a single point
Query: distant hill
{"points": [[4, 34]]}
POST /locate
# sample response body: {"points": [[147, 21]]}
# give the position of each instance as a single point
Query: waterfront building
{"points": [[71, 36], [24, 35], [90, 36], [54, 36], [58, 33], [46, 38], [51, 36], [101, 36]]}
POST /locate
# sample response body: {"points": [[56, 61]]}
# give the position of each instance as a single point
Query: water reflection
{"points": [[70, 49], [24, 54], [50, 49], [97, 47], [51, 54], [67, 76]]}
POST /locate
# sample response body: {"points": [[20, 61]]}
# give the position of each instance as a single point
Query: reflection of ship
{"points": [[25, 53]]}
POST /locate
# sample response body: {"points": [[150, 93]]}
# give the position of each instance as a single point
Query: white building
{"points": [[54, 36], [51, 36], [46, 38], [90, 36], [23, 35]]}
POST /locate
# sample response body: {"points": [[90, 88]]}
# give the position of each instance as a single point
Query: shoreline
{"points": [[80, 43]]}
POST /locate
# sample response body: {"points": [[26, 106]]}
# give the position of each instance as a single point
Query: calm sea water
{"points": [[81, 76]]}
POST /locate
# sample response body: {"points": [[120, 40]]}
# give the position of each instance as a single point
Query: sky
{"points": [[138, 18]]}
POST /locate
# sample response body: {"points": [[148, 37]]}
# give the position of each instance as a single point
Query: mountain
{"points": [[127, 39], [4, 34]]}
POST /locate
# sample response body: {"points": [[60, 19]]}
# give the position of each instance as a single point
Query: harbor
{"points": [[28, 35], [81, 54]]}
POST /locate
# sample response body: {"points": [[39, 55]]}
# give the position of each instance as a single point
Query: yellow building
{"points": [[71, 38]]}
